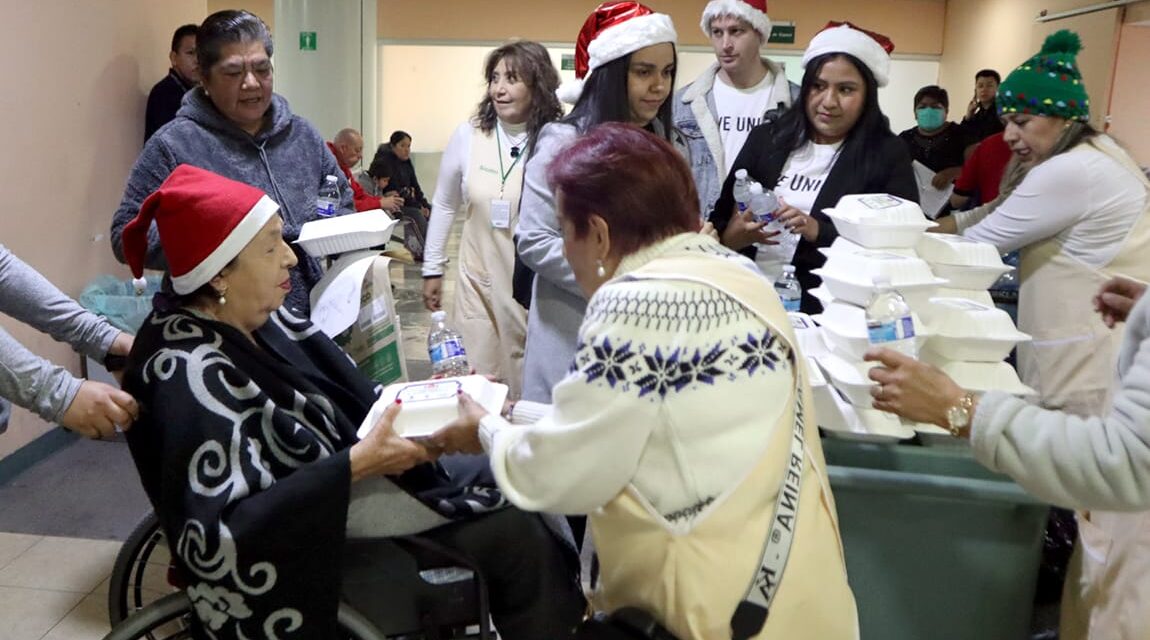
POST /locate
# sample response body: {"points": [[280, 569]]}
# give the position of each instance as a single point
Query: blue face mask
{"points": [[930, 118]]}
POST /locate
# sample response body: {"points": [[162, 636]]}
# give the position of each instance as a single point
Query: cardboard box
{"points": [[353, 305]]}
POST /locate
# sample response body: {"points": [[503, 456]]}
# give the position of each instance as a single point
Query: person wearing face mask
{"points": [[838, 143], [934, 142], [625, 69], [482, 174]]}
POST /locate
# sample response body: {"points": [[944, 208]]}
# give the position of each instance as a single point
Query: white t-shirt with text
{"points": [[739, 111], [799, 185]]}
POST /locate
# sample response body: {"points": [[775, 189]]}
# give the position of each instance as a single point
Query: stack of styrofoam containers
{"points": [[943, 281]]}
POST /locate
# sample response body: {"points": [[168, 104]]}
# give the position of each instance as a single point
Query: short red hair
{"points": [[636, 181]]}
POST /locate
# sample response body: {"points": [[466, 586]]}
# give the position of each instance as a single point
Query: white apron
{"points": [[493, 324], [1071, 363], [692, 580]]}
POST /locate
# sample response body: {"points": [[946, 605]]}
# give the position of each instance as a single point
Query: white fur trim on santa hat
{"points": [[843, 39], [617, 41], [758, 20], [241, 235]]}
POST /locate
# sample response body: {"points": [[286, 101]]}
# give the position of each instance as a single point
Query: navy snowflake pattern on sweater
{"points": [[661, 370]]}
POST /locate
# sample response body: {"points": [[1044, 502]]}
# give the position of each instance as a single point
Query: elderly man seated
{"points": [[347, 147]]}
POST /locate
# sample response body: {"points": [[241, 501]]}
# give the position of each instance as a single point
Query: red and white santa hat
{"points": [[753, 11], [872, 49], [204, 221], [612, 31]]}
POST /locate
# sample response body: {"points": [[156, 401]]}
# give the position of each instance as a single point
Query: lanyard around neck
{"points": [[503, 174]]}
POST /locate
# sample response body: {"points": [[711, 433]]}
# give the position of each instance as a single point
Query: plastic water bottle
{"points": [[445, 347], [764, 206], [327, 201], [742, 190], [789, 289], [888, 320]]}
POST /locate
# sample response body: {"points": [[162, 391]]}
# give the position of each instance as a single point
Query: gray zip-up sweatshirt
{"points": [[288, 159], [25, 378]]}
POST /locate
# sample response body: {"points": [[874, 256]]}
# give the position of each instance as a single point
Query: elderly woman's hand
{"points": [[743, 230], [911, 389], [798, 221], [462, 434], [384, 452], [1116, 297], [708, 229]]}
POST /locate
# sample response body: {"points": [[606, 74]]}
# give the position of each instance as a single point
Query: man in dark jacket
{"points": [[164, 99]]}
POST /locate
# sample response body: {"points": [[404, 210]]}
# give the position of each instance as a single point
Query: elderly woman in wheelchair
{"points": [[246, 442]]}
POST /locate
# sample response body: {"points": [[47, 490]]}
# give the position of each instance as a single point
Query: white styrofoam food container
{"points": [[850, 378], [845, 331], [867, 264], [842, 244], [969, 277], [808, 334], [341, 234], [822, 294], [429, 405], [981, 377], [946, 248], [855, 290], [879, 221], [973, 332]]}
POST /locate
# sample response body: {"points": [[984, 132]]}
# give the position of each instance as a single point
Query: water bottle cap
{"points": [[741, 174], [438, 316], [756, 188], [788, 268], [331, 179]]}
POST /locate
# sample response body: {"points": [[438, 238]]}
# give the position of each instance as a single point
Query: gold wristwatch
{"points": [[958, 416]]}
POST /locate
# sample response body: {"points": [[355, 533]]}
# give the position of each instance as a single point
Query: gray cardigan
{"points": [[25, 378], [1099, 463], [288, 159]]}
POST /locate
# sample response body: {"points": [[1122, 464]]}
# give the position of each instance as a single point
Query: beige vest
{"points": [[493, 325], [1070, 361], [692, 580], [1107, 593]]}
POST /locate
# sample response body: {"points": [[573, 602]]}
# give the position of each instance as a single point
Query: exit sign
{"points": [[567, 62], [782, 34], [307, 40]]}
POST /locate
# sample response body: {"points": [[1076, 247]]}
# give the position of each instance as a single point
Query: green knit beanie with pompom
{"points": [[1048, 84]]}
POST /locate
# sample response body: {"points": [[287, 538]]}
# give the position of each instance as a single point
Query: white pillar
{"points": [[334, 85]]}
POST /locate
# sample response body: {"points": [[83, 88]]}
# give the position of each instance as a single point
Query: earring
{"points": [[599, 270], [222, 299]]}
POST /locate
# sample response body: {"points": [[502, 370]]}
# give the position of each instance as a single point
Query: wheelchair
{"points": [[431, 591]]}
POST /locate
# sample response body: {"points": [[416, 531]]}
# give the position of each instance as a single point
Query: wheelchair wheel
{"points": [[169, 619], [140, 574]]}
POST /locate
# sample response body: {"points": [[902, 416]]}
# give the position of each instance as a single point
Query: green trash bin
{"points": [[936, 545]]}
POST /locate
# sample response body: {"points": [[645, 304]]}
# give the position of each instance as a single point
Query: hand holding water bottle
{"points": [[743, 229], [798, 222]]}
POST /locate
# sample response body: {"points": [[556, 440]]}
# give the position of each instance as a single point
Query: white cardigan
{"points": [[671, 391]]}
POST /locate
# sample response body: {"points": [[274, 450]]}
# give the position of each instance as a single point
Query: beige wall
{"points": [[265, 9], [1131, 97], [915, 26], [1001, 34], [73, 114]]}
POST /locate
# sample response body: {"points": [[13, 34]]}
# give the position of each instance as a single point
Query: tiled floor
{"points": [[54, 588]]}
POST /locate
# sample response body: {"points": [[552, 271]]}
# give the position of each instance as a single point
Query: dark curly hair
{"points": [[532, 64]]}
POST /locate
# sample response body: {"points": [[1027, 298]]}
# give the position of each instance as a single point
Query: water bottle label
{"points": [[450, 348], [792, 304], [899, 329], [742, 206], [325, 207]]}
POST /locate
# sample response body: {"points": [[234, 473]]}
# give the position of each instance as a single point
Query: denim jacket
{"points": [[694, 117]]}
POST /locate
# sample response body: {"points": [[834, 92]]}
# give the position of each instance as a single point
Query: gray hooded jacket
{"points": [[288, 159]]}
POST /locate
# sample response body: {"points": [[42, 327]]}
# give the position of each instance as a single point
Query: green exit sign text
{"points": [[307, 40], [782, 34]]}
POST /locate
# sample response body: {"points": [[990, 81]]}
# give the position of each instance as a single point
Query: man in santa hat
{"points": [[739, 91]]}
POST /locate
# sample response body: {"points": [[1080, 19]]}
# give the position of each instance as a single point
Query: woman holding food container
{"points": [[1075, 205], [838, 142]]}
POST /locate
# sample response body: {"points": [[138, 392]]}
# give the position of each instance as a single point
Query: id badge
{"points": [[501, 214]]}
